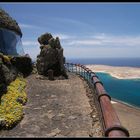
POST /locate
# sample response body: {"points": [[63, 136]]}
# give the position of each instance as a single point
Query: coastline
{"points": [[117, 72], [115, 101], [128, 73], [128, 116]]}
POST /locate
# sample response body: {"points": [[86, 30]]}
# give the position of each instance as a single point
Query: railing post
{"points": [[86, 73], [90, 76], [72, 66], [82, 71], [68, 66], [78, 69]]}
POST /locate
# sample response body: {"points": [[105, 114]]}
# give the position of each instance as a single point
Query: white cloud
{"points": [[100, 52], [104, 40], [62, 36], [122, 40], [84, 42], [96, 45], [30, 43], [98, 36], [28, 26]]}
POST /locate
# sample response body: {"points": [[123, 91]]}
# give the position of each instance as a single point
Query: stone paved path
{"points": [[59, 108]]}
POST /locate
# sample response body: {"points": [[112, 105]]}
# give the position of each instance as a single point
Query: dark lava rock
{"points": [[8, 22], [8, 73], [51, 56], [44, 38], [23, 64]]}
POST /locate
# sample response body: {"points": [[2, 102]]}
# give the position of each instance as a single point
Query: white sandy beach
{"points": [[117, 72]]}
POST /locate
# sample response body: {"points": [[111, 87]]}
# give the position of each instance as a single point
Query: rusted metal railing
{"points": [[111, 123]]}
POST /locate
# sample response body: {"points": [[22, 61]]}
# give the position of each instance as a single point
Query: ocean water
{"points": [[132, 62], [127, 91]]}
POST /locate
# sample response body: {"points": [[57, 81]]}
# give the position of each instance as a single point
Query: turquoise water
{"points": [[121, 89], [127, 91]]}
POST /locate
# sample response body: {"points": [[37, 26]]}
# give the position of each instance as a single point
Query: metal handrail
{"points": [[111, 122]]}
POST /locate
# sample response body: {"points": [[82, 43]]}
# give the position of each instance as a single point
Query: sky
{"points": [[86, 30]]}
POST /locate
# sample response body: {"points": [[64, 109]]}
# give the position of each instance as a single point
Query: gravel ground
{"points": [[59, 108]]}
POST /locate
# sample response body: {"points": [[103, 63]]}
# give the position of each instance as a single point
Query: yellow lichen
{"points": [[11, 110], [6, 58]]}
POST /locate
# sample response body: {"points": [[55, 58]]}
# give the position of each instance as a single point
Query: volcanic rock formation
{"points": [[8, 22], [51, 56], [13, 61]]}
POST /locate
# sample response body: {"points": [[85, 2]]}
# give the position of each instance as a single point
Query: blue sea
{"points": [[132, 62], [126, 91]]}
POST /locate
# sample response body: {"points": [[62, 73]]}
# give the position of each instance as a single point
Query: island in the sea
{"points": [[117, 72]]}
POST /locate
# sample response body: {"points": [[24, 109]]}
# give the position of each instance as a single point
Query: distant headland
{"points": [[117, 72]]}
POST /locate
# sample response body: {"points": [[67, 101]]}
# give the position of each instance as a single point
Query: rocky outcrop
{"points": [[9, 23], [51, 56], [23, 64], [44, 38], [8, 73], [11, 65]]}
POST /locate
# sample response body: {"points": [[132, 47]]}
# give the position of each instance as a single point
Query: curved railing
{"points": [[110, 121]]}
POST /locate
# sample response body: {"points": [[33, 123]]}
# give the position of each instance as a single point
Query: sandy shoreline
{"points": [[117, 72], [115, 101], [129, 117]]}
